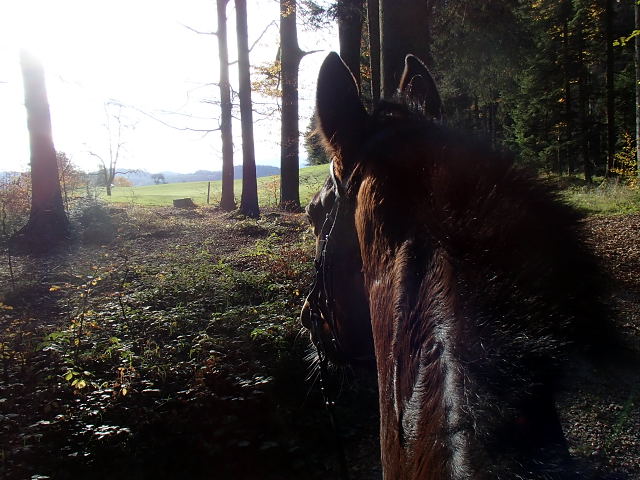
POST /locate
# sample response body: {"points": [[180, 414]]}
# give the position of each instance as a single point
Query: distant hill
{"points": [[141, 177], [9, 175]]}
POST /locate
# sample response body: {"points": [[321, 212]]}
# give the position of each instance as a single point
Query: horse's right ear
{"points": [[341, 116], [417, 85]]}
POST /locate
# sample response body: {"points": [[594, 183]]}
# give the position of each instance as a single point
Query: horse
{"points": [[462, 277]]}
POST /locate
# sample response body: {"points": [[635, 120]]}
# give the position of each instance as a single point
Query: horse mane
{"points": [[479, 238], [487, 212]]}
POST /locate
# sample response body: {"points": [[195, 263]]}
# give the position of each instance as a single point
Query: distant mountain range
{"points": [[141, 177]]}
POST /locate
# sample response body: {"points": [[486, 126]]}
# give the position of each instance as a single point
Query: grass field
{"points": [[311, 179], [596, 199]]}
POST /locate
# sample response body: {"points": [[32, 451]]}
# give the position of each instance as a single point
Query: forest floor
{"points": [[165, 344]]}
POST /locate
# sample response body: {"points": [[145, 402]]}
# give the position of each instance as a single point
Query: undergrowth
{"points": [[607, 198], [175, 346]]}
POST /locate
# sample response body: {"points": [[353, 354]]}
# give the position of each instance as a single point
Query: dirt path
{"points": [[601, 408]]}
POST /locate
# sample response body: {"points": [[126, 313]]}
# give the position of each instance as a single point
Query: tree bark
{"points": [[373, 22], [350, 18], [637, 61], [48, 224], [404, 27], [227, 200], [290, 132], [249, 200], [583, 99], [611, 129], [566, 64]]}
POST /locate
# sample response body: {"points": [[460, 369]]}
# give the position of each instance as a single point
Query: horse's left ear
{"points": [[418, 86], [341, 116]]}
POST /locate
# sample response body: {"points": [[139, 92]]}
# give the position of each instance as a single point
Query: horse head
{"points": [[463, 276], [336, 310]]}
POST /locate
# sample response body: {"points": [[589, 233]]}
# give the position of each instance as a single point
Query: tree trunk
{"points": [[48, 224], [566, 70], [227, 201], [373, 21], [350, 17], [637, 60], [611, 130], [583, 99], [111, 177], [290, 133], [404, 27], [249, 199], [476, 116]]}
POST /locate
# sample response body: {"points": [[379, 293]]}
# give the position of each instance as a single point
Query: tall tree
{"points": [[350, 17], [249, 200], [290, 57], [567, 64], [611, 128], [636, 11], [48, 224], [373, 24], [583, 104], [403, 29], [227, 201]]}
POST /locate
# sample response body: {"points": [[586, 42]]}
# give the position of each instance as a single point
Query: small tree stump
{"points": [[184, 203]]}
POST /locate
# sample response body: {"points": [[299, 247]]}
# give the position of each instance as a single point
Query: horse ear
{"points": [[418, 86], [340, 114]]}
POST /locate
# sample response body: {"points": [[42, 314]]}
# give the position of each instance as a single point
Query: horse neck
{"points": [[413, 317]]}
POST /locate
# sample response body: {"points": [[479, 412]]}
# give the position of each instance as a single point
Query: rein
{"points": [[323, 292]]}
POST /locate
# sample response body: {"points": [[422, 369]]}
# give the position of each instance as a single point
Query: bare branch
{"points": [[272, 24], [304, 54], [198, 31], [182, 129], [188, 115], [98, 157]]}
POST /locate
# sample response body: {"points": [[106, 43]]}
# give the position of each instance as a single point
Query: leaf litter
{"points": [[181, 336]]}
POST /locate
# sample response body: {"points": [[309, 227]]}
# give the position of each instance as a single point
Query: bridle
{"points": [[321, 296], [321, 310]]}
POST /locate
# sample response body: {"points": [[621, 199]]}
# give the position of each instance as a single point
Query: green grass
{"points": [[311, 179], [603, 199]]}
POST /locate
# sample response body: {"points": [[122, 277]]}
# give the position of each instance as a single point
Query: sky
{"points": [[144, 55]]}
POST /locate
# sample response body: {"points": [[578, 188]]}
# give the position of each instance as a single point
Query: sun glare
{"points": [[135, 52], [36, 26]]}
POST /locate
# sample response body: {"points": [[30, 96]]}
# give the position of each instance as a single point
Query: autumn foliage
{"points": [[15, 194]]}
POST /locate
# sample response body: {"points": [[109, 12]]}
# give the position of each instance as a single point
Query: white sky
{"points": [[138, 53]]}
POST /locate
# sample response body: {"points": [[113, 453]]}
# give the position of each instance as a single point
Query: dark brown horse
{"points": [[461, 275]]}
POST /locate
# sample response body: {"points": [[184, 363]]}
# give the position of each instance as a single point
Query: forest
{"points": [[144, 341]]}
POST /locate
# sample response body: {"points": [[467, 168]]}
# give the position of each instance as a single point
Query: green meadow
{"points": [[604, 199], [311, 179], [597, 199]]}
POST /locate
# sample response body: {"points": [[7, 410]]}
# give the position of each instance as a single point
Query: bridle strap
{"points": [[330, 406], [321, 295], [337, 185], [322, 288]]}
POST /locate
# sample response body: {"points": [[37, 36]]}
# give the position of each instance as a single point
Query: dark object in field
{"points": [[96, 223], [184, 203], [460, 276]]}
